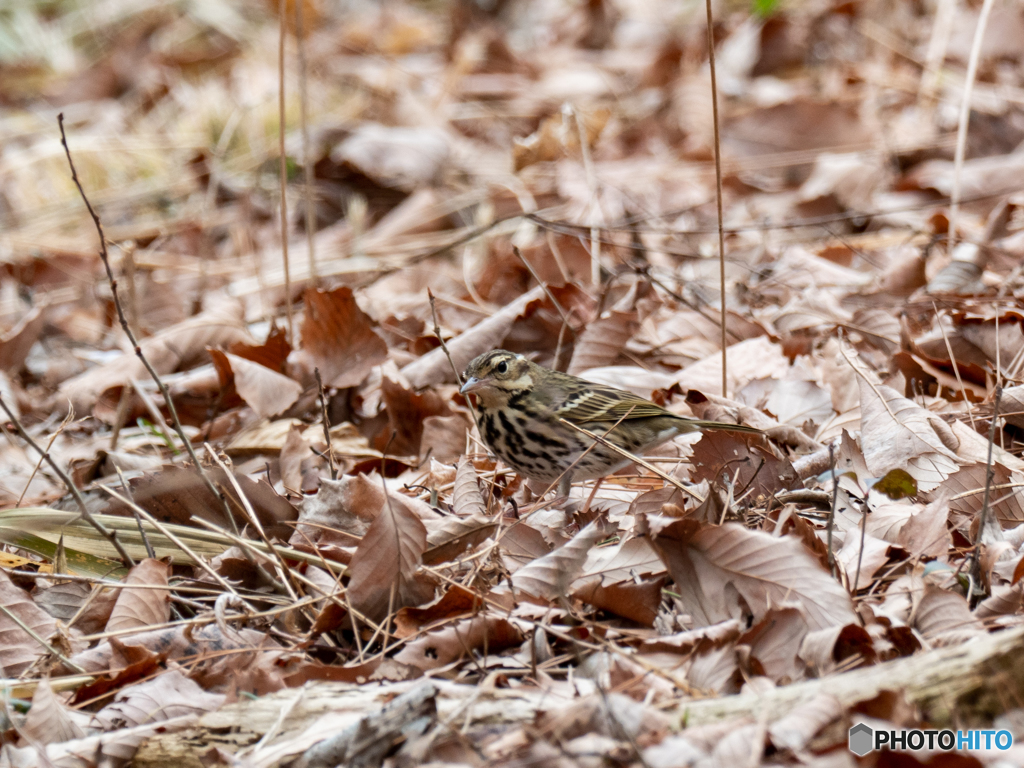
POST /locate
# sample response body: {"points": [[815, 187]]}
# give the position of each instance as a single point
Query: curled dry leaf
{"points": [[795, 729], [867, 559], [384, 567], [944, 618], [466, 498], [338, 338], [176, 494], [267, 392], [144, 607], [728, 457], [63, 600], [175, 348], [16, 343], [774, 642], [721, 571], [457, 601], [116, 748], [603, 340], [173, 643], [169, 695], [450, 537], [50, 721], [434, 368], [898, 433], [18, 649], [967, 489], [549, 577], [339, 513], [925, 533], [460, 639]]}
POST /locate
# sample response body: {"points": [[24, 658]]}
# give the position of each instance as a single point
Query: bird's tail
{"points": [[723, 426]]}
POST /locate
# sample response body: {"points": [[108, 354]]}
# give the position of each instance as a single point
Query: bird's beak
{"points": [[473, 384]]}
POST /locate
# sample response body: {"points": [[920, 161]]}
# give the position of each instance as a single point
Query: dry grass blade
{"points": [[49, 524]]}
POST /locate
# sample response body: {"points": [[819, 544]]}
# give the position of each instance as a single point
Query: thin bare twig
{"points": [[327, 423], [105, 258], [440, 338], [35, 470], [138, 520], [634, 458], [975, 571], [718, 186], [300, 44], [832, 510], [35, 636], [965, 113], [546, 289], [282, 10], [109, 535]]}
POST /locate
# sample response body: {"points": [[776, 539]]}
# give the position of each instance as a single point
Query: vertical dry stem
{"points": [[718, 187]]}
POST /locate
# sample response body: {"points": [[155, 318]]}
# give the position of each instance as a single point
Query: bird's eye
{"points": [[502, 367]]}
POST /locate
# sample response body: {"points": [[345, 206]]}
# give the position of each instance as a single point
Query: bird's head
{"points": [[496, 376]]}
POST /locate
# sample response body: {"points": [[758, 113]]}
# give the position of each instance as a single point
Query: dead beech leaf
{"points": [[968, 493], [774, 642], [16, 343], [434, 368], [407, 410], [897, 433], [718, 569], [795, 729], [271, 354], [444, 437], [459, 639], [63, 601], [626, 560], [452, 536], [18, 649], [50, 721], [549, 577], [399, 157], [339, 513], [822, 649], [926, 534], [176, 494], [466, 498], [457, 601], [875, 554], [944, 618], [386, 561], [603, 340], [116, 748], [267, 392], [338, 338], [175, 348], [173, 643], [637, 601], [138, 608], [720, 456], [167, 696]]}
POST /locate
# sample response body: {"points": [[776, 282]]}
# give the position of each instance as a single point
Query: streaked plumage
{"points": [[519, 407]]}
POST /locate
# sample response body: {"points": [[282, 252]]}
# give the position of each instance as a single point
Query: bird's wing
{"points": [[600, 404]]}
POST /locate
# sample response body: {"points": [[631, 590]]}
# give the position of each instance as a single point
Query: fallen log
{"points": [[969, 683]]}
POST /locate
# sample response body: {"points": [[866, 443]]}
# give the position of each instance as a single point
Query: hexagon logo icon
{"points": [[861, 739]]}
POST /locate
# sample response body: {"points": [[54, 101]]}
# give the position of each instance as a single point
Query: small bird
{"points": [[519, 410]]}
